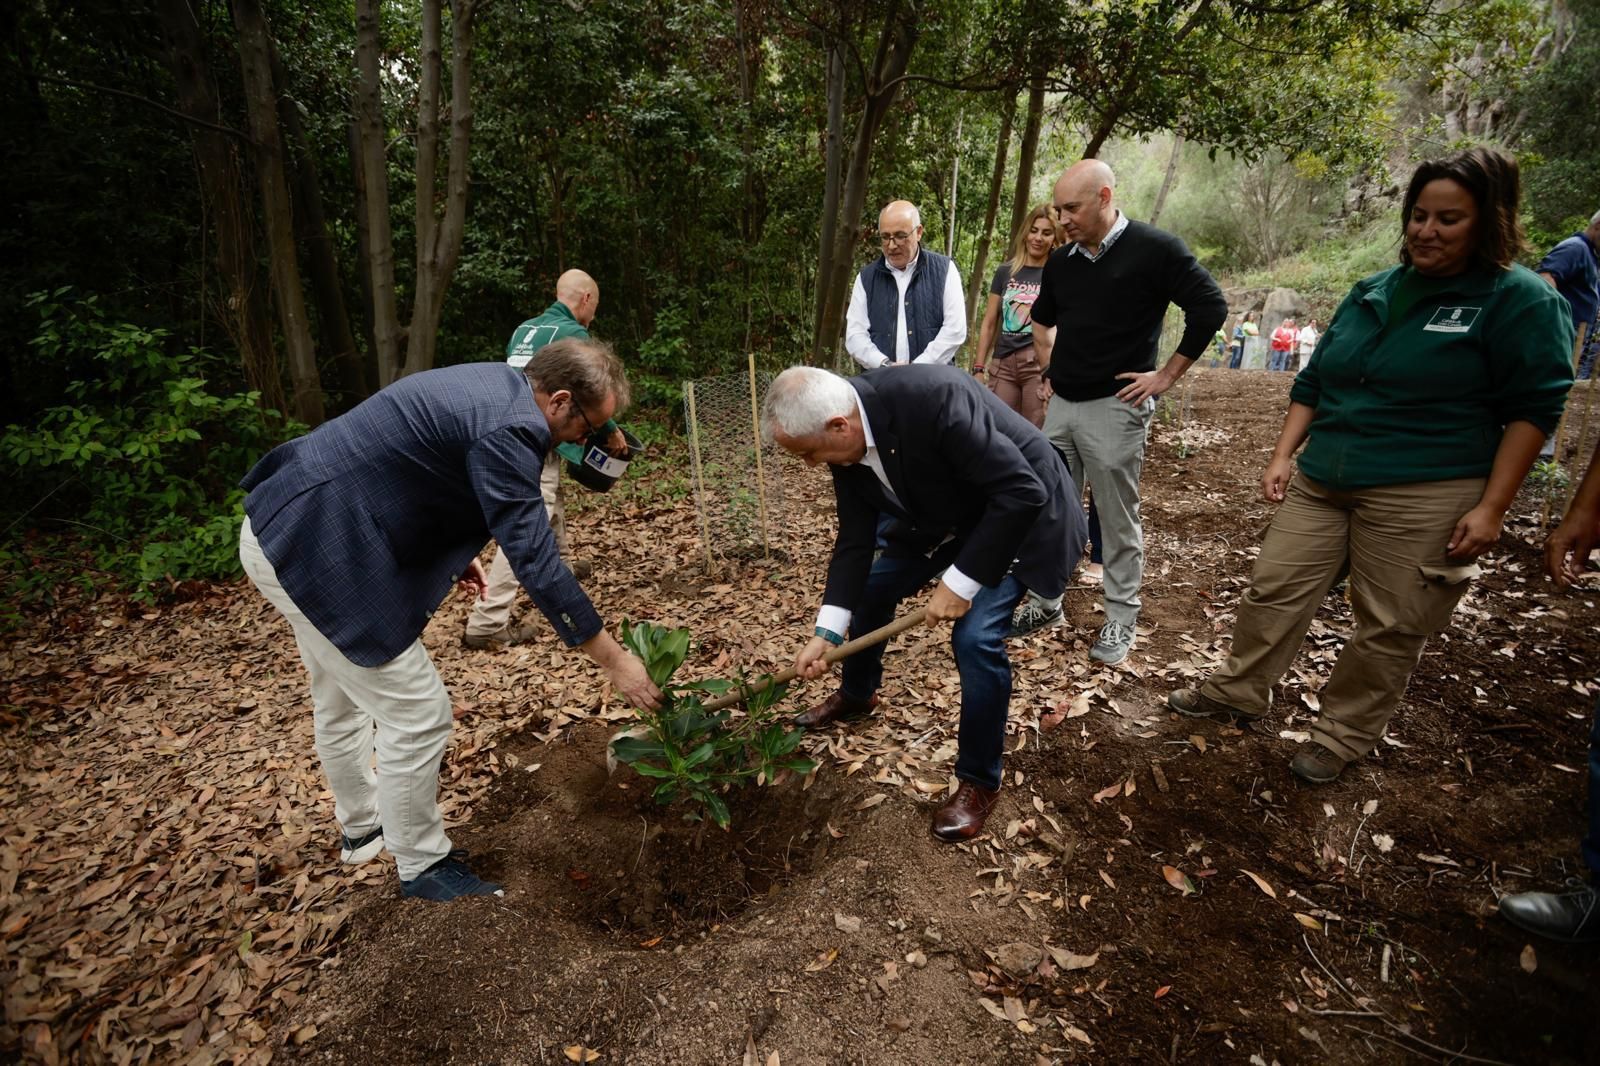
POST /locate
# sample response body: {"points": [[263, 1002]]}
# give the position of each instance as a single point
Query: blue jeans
{"points": [[1591, 843], [979, 642], [1236, 356], [1278, 361]]}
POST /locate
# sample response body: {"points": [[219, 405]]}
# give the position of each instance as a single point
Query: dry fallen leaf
{"points": [[1529, 960], [1107, 792], [579, 1053], [1068, 960], [1178, 880], [1163, 990], [823, 961], [1308, 921], [1260, 883], [872, 801], [1199, 742], [1107, 879]]}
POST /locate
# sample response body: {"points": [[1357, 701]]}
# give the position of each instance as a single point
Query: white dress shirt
{"points": [[942, 349], [837, 619]]}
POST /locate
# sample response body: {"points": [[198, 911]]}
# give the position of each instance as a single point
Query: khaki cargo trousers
{"points": [[1402, 591], [492, 613]]}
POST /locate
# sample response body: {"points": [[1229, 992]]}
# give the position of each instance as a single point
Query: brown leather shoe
{"points": [[836, 708], [963, 814]]}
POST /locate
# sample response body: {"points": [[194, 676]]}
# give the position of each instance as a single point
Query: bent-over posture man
{"points": [[1107, 293], [489, 621], [356, 531], [978, 500]]}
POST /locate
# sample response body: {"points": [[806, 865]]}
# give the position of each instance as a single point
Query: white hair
{"points": [[1594, 218], [802, 399]]}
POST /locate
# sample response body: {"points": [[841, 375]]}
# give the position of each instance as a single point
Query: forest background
{"points": [[230, 222]]}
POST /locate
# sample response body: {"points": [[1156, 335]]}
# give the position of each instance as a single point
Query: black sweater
{"points": [[1108, 313]]}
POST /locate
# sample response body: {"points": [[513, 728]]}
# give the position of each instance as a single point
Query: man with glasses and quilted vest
{"points": [[907, 305]]}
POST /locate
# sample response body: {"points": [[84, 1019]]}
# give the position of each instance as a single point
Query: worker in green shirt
{"points": [[489, 623], [1422, 409]]}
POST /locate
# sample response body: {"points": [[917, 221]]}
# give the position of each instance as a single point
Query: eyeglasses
{"points": [[894, 238], [587, 425]]}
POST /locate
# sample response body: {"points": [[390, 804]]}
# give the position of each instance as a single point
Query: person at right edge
{"points": [[1572, 915], [1424, 405], [1105, 295]]}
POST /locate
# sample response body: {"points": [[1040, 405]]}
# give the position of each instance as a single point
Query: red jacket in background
{"points": [[1282, 339]]}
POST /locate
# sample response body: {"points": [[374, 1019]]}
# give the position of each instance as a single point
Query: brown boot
{"points": [[836, 708], [963, 814]]}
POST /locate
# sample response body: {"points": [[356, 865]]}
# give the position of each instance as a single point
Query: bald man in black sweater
{"points": [[1106, 295]]}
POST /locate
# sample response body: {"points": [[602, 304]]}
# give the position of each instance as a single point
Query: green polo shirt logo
{"points": [[1453, 319]]}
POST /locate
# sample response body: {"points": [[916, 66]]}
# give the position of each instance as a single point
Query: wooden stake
{"points": [[761, 480], [699, 480]]}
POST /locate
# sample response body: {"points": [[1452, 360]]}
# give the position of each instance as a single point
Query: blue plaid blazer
{"points": [[371, 518]]}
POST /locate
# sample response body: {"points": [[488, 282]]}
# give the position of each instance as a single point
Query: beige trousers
{"points": [[1402, 591], [492, 613], [401, 709]]}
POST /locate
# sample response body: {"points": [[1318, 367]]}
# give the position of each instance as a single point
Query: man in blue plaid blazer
{"points": [[357, 531]]}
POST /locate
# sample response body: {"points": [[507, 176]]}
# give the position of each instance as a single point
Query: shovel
{"points": [[831, 656]]}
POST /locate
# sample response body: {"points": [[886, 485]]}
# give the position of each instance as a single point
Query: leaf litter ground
{"points": [[1150, 887]]}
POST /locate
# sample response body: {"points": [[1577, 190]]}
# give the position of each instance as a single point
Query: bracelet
{"points": [[830, 636], [977, 368]]}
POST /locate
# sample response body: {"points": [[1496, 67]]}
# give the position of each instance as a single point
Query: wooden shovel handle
{"points": [[832, 655]]}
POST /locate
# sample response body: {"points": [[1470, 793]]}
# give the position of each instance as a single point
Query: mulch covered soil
{"points": [[1151, 888]]}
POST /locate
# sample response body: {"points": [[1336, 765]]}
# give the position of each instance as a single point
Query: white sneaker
{"points": [[1113, 644]]}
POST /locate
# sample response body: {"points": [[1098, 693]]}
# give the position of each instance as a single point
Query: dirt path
{"points": [[168, 890]]}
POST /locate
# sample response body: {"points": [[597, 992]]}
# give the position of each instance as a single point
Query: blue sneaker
{"points": [[355, 850], [448, 879]]}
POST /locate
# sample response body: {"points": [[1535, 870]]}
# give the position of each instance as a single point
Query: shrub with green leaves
{"points": [[697, 756], [133, 480]]}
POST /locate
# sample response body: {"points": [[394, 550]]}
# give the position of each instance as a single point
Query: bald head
{"points": [[900, 232], [580, 294], [1084, 205]]}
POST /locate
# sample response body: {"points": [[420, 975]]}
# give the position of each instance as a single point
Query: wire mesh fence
{"points": [[738, 480]]}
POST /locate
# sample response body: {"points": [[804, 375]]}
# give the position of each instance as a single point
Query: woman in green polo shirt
{"points": [[1422, 409]]}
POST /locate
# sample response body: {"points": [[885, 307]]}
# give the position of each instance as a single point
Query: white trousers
{"points": [[401, 708], [492, 613]]}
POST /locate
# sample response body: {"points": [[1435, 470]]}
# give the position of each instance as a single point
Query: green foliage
{"points": [[695, 756], [138, 470], [1560, 104]]}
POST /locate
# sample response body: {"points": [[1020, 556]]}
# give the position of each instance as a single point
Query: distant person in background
{"points": [[1107, 294], [1005, 339], [1572, 915], [1245, 329], [1305, 342], [906, 306], [1408, 469], [489, 621], [1282, 344], [1220, 343], [1573, 267]]}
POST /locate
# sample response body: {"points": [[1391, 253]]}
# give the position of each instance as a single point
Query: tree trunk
{"points": [[976, 283], [311, 230], [363, 248], [833, 178], [374, 181], [1026, 154], [898, 38], [955, 178], [255, 62], [1166, 181], [243, 308], [439, 239]]}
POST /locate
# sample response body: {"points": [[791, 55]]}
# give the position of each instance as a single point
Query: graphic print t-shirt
{"points": [[1016, 307]]}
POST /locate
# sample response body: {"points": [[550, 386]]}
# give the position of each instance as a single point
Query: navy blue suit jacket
{"points": [[371, 518], [962, 464]]}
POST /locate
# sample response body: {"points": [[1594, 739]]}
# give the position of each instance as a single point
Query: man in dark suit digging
{"points": [[977, 498]]}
